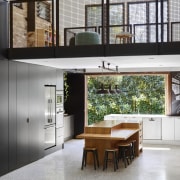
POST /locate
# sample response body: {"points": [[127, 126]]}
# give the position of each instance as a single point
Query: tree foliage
{"points": [[138, 94]]}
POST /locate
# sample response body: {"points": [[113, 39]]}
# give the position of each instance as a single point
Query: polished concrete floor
{"points": [[157, 162]]}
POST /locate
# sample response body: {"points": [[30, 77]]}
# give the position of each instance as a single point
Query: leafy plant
{"points": [[138, 94]]}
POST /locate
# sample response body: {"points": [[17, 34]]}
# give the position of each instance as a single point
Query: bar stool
{"points": [[93, 150], [114, 159], [125, 153], [133, 151]]}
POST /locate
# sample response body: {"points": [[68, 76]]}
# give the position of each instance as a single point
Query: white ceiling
{"points": [[157, 63]]}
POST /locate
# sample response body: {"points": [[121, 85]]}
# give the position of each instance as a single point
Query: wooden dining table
{"points": [[108, 134]]}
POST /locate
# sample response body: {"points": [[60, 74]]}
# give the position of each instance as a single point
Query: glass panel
{"points": [[140, 33], [94, 15], [152, 19], [174, 19], [116, 20], [137, 13], [32, 24], [138, 18], [143, 16], [77, 17], [45, 33], [152, 12], [19, 25]]}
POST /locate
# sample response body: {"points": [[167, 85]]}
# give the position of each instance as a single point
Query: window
{"points": [[116, 17], [43, 10], [143, 16], [127, 94]]}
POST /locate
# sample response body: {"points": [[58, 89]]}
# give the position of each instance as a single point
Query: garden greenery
{"points": [[139, 94]]}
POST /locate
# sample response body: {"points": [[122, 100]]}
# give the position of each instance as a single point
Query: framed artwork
{"points": [[175, 94]]}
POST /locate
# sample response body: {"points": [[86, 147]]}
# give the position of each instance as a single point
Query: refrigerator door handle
{"points": [[49, 111]]}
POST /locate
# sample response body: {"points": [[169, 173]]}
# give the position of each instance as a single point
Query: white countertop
{"points": [[135, 115], [132, 117]]}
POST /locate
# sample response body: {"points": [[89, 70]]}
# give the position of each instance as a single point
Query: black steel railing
{"points": [[142, 33]]}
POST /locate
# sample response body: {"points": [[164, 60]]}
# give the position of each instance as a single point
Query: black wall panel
{"points": [[75, 103], [3, 116], [12, 116], [36, 112], [3, 29], [22, 115]]}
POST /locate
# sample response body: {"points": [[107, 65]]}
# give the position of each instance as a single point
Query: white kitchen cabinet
{"points": [[68, 127], [59, 136], [177, 128], [168, 125], [152, 128]]}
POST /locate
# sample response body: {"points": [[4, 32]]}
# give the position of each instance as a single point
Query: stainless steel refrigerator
{"points": [[50, 116]]}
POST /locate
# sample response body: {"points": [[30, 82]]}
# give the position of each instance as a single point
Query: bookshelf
{"points": [[44, 37]]}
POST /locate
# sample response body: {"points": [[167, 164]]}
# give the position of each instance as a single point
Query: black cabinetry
{"points": [[12, 116], [4, 34], [75, 101], [4, 117], [36, 112], [22, 115], [27, 111]]}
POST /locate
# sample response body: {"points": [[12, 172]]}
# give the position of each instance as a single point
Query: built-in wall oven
{"points": [[59, 118], [59, 109]]}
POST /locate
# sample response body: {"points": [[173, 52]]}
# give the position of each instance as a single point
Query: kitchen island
{"points": [[108, 134]]}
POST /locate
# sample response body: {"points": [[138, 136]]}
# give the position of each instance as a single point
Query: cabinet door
{"points": [[12, 115], [168, 128], [177, 128], [22, 115], [152, 128], [68, 127], [60, 80], [49, 76], [36, 112], [4, 117]]}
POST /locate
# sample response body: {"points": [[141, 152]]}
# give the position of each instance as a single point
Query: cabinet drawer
{"points": [[59, 132]]}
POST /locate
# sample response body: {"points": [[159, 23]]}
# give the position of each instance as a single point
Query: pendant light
{"points": [[117, 90], [102, 90], [111, 91]]}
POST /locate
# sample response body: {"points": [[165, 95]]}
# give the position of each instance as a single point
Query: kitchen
{"points": [[22, 123]]}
